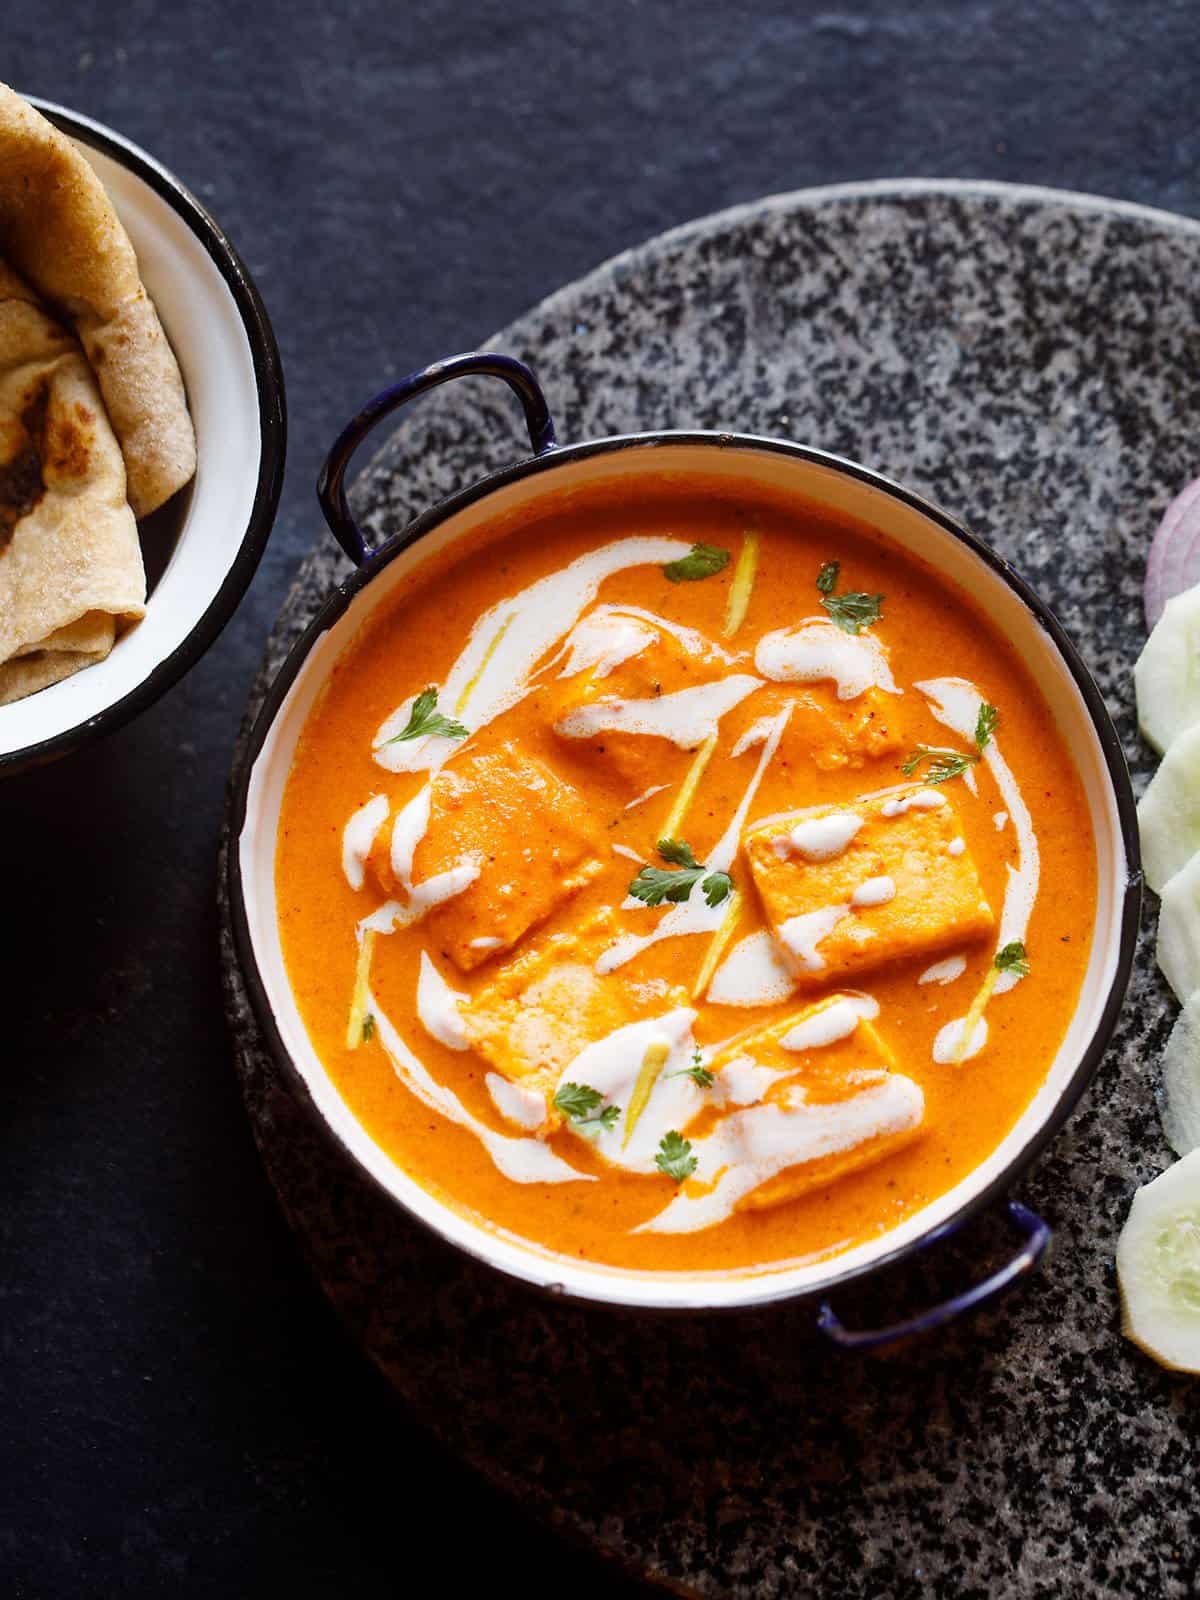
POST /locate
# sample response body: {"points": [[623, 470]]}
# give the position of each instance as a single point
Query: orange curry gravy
{"points": [[830, 753]]}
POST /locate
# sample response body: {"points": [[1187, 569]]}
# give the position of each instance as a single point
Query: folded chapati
{"points": [[70, 562], [59, 230]]}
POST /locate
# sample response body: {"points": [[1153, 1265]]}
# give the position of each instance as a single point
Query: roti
{"points": [[70, 562], [59, 230]]}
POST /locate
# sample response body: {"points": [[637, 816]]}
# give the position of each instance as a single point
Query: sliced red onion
{"points": [[1173, 564]]}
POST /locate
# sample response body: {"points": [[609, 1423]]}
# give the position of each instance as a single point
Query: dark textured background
{"points": [[178, 1410]]}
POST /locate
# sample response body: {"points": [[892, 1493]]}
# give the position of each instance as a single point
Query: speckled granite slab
{"points": [[1032, 361]]}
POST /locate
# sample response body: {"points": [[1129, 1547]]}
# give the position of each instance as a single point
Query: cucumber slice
{"points": [[1179, 930], [1169, 811], [1158, 1267], [1167, 675], [1179, 1094]]}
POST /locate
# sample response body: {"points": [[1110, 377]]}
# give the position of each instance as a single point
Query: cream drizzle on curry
{"points": [[666, 920]]}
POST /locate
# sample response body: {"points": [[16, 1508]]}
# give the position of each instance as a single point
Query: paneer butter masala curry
{"points": [[663, 880]]}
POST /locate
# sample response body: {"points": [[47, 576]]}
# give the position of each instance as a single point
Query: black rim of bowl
{"points": [[272, 418], [340, 601]]}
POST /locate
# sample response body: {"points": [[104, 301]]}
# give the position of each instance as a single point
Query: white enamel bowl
{"points": [[220, 333], [813, 477]]}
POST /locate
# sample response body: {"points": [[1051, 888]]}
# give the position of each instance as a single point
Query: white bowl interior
{"points": [[906, 526], [206, 330]]}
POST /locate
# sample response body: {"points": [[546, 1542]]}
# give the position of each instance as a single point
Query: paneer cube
{"points": [[642, 696], [828, 1060], [854, 887], [530, 834], [829, 733], [829, 1043], [542, 1009], [819, 1172]]}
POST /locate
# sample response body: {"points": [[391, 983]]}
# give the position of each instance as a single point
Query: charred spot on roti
{"points": [[68, 437], [21, 483], [53, 443], [35, 405]]}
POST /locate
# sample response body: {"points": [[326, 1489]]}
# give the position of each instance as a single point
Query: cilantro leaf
{"points": [[1012, 958], [853, 612], [718, 886], [946, 764], [678, 852], [949, 764], [576, 1100], [580, 1103], [985, 726], [653, 885], [701, 561], [425, 718], [368, 1027], [850, 612], [697, 1072], [675, 1158]]}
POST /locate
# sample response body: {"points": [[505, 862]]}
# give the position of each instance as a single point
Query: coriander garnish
{"points": [[368, 1027], [1012, 958], [853, 612], [696, 1071], [675, 1158], [947, 764], [701, 561], [850, 612], [579, 1102], [425, 719], [653, 885], [985, 725]]}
